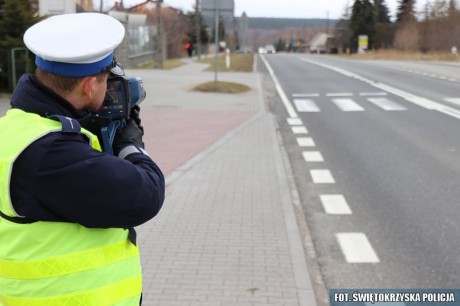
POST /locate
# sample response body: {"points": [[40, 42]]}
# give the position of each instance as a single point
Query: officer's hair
{"points": [[62, 84]]}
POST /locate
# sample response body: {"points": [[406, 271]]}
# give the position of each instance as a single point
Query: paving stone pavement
{"points": [[227, 234]]}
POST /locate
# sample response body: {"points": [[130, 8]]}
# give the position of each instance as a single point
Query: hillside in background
{"points": [[264, 31], [287, 23]]}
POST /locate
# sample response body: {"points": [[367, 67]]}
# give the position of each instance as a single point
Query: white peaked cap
{"points": [[75, 45]]}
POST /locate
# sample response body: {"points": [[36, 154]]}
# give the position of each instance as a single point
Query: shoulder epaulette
{"points": [[69, 125]]}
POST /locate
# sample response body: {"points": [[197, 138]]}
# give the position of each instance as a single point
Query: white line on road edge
{"points": [[453, 100], [386, 104], [335, 204], [420, 101], [322, 176], [294, 121], [287, 104], [356, 248], [305, 142], [313, 156], [299, 130]]}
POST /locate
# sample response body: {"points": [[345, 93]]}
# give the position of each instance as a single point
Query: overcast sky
{"points": [[333, 9]]}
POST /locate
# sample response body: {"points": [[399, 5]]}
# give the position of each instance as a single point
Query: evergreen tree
{"points": [[342, 31], [381, 11], [204, 37], [383, 27], [406, 11], [280, 45], [16, 16], [342, 34], [362, 22], [221, 30]]}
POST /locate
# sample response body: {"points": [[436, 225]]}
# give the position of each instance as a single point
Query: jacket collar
{"points": [[32, 96]]}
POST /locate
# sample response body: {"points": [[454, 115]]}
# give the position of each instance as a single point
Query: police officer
{"points": [[67, 210]]}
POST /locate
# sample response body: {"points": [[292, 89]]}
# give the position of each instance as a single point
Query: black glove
{"points": [[134, 114], [130, 134]]}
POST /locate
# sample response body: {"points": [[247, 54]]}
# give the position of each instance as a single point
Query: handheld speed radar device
{"points": [[122, 95]]}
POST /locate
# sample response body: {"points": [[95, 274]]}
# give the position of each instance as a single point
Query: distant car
{"points": [[261, 50], [270, 49]]}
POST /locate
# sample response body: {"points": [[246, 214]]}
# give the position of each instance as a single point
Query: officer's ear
{"points": [[88, 87]]}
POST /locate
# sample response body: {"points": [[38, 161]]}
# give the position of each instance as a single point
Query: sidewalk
{"points": [[227, 234]]}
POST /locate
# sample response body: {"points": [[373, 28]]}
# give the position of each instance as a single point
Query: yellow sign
{"points": [[363, 43]]}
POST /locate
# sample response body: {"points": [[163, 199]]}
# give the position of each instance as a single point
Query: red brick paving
{"points": [[174, 136]]}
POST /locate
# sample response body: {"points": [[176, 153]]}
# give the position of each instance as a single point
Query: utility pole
{"points": [[198, 28], [101, 4], [159, 48], [216, 40]]}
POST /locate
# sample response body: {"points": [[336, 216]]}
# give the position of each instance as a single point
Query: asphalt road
{"points": [[377, 166]]}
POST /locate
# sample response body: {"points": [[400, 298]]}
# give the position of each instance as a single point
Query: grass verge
{"points": [[167, 64], [239, 62], [222, 87]]}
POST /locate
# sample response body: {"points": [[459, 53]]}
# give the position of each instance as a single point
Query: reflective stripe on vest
{"points": [[58, 263], [108, 295]]}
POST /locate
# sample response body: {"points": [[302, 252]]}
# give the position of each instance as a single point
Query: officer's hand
{"points": [[128, 135], [134, 114]]}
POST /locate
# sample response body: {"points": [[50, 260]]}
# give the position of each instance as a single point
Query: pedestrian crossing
{"points": [[347, 102], [347, 105]]}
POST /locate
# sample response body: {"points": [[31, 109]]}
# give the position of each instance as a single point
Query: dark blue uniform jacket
{"points": [[61, 178]]}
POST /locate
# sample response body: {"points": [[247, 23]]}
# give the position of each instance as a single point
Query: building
{"points": [[243, 34], [175, 25], [57, 7], [84, 5]]}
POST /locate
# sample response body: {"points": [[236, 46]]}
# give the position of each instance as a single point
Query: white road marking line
{"points": [[312, 156], [420, 101], [367, 94], [335, 204], [306, 105], [356, 248], [347, 105], [305, 95], [287, 104], [453, 100], [322, 176], [299, 130], [305, 142], [339, 94], [294, 121], [386, 104]]}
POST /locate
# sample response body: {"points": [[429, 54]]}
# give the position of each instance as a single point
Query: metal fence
{"points": [[13, 64]]}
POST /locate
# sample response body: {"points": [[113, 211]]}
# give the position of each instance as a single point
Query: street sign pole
{"points": [[216, 40]]}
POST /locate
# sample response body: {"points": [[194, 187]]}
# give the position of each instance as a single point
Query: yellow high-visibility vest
{"points": [[58, 263]]}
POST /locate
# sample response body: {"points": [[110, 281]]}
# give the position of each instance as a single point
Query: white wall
{"points": [[56, 7]]}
